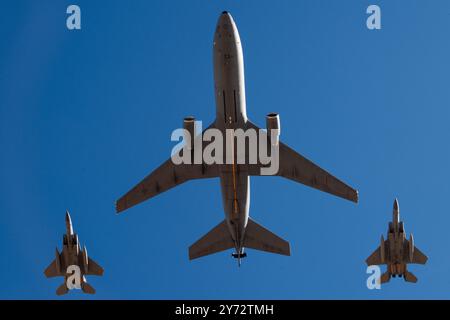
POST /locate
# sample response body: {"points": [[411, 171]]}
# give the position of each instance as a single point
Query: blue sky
{"points": [[84, 115]]}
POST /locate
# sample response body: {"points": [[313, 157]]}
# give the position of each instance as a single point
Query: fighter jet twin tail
{"points": [[238, 231]]}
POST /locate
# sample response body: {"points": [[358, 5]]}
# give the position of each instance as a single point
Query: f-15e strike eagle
{"points": [[238, 230], [397, 252], [72, 255]]}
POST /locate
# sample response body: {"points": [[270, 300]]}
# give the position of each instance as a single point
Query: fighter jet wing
{"points": [[375, 258], [51, 272], [54, 269], [167, 176], [295, 167], [94, 268], [419, 257]]}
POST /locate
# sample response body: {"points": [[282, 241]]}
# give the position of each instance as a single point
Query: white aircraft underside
{"points": [[237, 230]]}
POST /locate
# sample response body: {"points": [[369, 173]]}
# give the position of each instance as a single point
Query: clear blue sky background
{"points": [[84, 115]]}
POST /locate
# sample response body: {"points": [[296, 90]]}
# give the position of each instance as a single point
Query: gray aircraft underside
{"points": [[237, 230], [396, 251], [72, 255]]}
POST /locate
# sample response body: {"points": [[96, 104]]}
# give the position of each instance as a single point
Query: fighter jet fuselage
{"points": [[396, 239], [71, 247]]}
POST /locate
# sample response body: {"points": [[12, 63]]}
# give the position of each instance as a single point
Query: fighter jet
{"points": [[397, 252], [237, 231], [72, 255]]}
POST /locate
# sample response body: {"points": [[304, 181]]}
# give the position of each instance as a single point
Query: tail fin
{"points": [[87, 288], [62, 289], [410, 277], [259, 238], [216, 240], [385, 277]]}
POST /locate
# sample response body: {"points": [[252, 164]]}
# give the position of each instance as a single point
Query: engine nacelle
{"points": [[85, 259], [273, 123], [189, 126], [382, 250], [411, 247]]}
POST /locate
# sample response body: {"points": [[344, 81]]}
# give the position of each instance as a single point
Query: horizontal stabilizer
{"points": [[87, 288], [385, 277], [218, 239], [62, 289], [410, 277], [259, 238]]}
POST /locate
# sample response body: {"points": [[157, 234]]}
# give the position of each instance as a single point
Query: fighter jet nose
{"points": [[396, 207], [225, 17], [69, 229]]}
